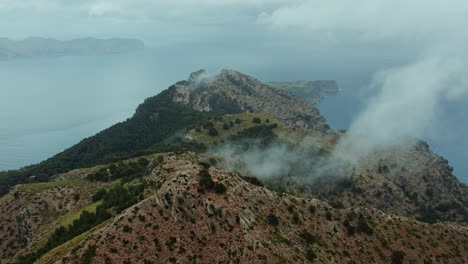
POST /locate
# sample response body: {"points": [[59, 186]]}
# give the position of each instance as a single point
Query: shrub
{"points": [[272, 220], [337, 204], [364, 227], [238, 121], [312, 209], [88, 255], [308, 237], [253, 180], [398, 257], [205, 165], [213, 132], [310, 254], [142, 162], [219, 188], [208, 125], [226, 126], [76, 197], [206, 181], [127, 229], [257, 120], [329, 216], [99, 195], [296, 219]]}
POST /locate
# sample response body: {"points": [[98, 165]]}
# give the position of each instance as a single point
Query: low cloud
{"points": [[407, 99], [371, 18], [405, 105]]}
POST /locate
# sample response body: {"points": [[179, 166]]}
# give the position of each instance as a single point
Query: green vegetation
{"points": [[213, 132], [398, 257], [69, 218], [308, 238], [253, 180], [206, 180], [126, 172], [88, 255], [310, 254], [114, 201], [154, 120], [272, 220], [220, 128], [263, 133]]}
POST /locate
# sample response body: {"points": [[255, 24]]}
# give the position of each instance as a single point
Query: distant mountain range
{"points": [[48, 47]]}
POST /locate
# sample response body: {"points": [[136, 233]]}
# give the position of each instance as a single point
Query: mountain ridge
{"points": [[155, 188], [48, 47]]}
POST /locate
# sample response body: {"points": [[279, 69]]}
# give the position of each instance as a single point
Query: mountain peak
{"points": [[234, 92], [196, 74]]}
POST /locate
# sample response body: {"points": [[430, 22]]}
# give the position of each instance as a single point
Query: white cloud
{"points": [[371, 18], [35, 5], [175, 9], [405, 105], [407, 99]]}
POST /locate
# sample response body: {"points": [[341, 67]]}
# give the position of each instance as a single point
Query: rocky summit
{"points": [[232, 91], [228, 169]]}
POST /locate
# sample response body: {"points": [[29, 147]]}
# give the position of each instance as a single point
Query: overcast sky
{"points": [[330, 21]]}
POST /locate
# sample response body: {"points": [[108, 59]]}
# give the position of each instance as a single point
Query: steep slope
{"points": [[184, 210], [155, 120], [234, 92], [311, 91], [187, 220], [410, 181], [31, 212]]}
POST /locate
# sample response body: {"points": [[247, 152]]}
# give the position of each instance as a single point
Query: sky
{"points": [[414, 51]]}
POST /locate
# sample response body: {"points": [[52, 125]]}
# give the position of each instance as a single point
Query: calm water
{"points": [[47, 105]]}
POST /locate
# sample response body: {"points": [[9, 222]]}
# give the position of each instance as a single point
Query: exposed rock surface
{"points": [[184, 222], [47, 47], [28, 214], [412, 182], [234, 92]]}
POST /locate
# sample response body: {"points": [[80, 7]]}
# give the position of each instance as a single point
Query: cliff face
{"points": [[46, 47], [234, 92], [412, 182]]}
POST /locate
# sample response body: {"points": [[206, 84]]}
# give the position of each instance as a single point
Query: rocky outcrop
{"points": [[234, 92], [184, 222], [411, 181], [30, 213]]}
